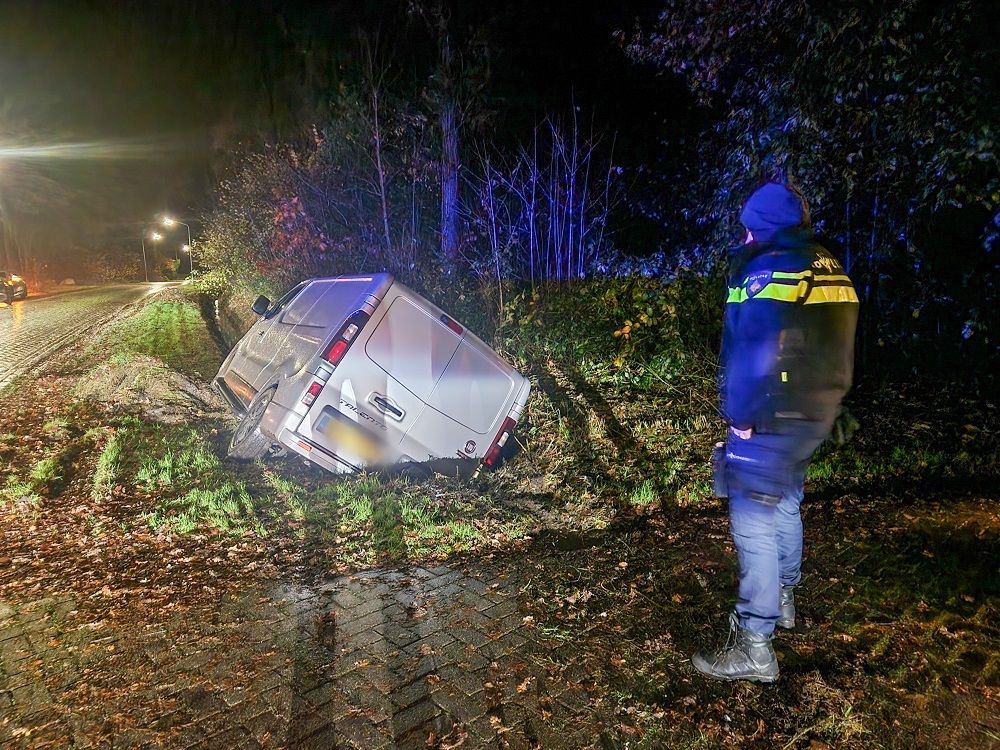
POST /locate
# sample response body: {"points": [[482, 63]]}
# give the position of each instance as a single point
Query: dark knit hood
{"points": [[771, 209]]}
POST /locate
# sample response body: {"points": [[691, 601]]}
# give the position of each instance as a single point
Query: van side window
{"points": [[287, 297], [305, 309]]}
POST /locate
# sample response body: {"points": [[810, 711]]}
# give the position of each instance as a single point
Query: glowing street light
{"points": [[155, 237], [169, 222]]}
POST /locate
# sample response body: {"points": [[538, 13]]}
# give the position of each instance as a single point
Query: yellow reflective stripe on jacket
{"points": [[827, 294], [804, 291], [780, 291], [809, 274], [790, 275]]}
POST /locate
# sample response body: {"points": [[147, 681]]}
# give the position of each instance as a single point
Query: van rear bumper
{"points": [[316, 453]]}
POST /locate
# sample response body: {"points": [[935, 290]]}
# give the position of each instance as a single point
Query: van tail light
{"points": [[345, 337], [493, 453], [312, 393], [452, 324], [336, 352]]}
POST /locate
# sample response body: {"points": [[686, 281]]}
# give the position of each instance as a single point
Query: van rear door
{"points": [[413, 385], [363, 411], [475, 388], [470, 402]]}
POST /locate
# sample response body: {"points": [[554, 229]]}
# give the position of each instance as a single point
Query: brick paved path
{"points": [[411, 659]]}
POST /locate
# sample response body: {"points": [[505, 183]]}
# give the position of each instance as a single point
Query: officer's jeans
{"points": [[766, 477]]}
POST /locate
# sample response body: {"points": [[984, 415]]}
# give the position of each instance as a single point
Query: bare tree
{"points": [[456, 97], [374, 71], [547, 209]]}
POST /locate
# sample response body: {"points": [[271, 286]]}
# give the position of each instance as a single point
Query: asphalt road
{"points": [[39, 327]]}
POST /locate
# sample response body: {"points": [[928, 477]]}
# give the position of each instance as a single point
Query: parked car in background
{"points": [[360, 371], [13, 286]]}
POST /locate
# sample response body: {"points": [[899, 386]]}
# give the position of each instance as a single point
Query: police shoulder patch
{"points": [[757, 281]]}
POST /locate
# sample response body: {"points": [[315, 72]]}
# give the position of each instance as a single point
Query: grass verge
{"points": [[169, 328]]}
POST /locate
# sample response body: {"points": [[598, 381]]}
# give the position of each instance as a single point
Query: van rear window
{"points": [[473, 390], [413, 346]]}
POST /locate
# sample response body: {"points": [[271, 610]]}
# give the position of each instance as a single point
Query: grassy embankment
{"points": [[621, 420], [141, 428]]}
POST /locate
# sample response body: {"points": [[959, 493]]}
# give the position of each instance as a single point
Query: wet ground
{"points": [[121, 640], [116, 635], [423, 657], [34, 329]]}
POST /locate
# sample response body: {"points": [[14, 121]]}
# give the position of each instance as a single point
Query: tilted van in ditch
{"points": [[355, 372]]}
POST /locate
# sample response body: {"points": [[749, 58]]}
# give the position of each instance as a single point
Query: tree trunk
{"points": [[449, 181], [3, 239], [377, 137]]}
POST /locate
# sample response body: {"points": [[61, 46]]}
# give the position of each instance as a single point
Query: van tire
{"points": [[248, 442], [415, 473]]}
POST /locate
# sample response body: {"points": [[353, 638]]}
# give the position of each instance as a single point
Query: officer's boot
{"points": [[786, 616], [746, 656]]}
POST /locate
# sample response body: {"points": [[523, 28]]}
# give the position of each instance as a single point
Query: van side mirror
{"points": [[260, 305]]}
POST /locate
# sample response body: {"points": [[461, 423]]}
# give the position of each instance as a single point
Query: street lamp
{"points": [[145, 268], [169, 222], [156, 237]]}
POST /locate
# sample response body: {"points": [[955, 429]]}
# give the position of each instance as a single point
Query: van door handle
{"points": [[387, 406]]}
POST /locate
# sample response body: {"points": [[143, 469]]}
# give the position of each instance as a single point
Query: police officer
{"points": [[787, 361]]}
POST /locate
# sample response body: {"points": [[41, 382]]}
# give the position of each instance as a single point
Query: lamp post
{"points": [[156, 237], [169, 222], [145, 268]]}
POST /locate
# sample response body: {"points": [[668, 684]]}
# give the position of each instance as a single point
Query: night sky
{"points": [[110, 112]]}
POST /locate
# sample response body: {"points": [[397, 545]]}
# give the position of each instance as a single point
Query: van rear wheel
{"points": [[248, 442], [415, 473]]}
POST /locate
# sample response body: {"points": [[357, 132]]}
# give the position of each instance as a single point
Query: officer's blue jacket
{"points": [[788, 339]]}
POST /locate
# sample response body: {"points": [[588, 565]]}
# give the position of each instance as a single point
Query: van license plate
{"points": [[348, 436]]}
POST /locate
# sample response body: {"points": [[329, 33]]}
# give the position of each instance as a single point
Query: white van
{"points": [[360, 371]]}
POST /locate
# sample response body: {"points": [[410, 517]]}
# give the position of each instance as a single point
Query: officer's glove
{"points": [[844, 427]]}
